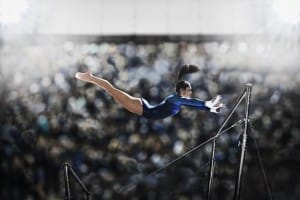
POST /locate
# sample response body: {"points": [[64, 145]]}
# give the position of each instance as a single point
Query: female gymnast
{"points": [[168, 107]]}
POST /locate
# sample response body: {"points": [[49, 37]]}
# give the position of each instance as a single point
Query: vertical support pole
{"points": [[244, 141], [212, 161], [212, 168], [67, 183], [67, 169]]}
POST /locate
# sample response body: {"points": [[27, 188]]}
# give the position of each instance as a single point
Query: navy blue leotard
{"points": [[170, 106]]}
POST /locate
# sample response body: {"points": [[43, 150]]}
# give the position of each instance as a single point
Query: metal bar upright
{"points": [[212, 161], [67, 183], [244, 141], [212, 169]]}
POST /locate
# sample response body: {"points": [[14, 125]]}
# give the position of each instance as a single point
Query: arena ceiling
{"points": [[155, 17]]}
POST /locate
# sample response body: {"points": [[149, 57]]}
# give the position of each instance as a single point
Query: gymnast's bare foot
{"points": [[86, 76]]}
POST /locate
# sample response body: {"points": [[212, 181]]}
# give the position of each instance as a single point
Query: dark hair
{"points": [[182, 84], [185, 69]]}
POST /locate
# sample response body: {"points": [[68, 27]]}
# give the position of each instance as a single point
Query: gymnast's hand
{"points": [[86, 76], [218, 108], [215, 104]]}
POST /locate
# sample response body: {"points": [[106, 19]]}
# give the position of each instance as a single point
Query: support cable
{"points": [[197, 147], [267, 185]]}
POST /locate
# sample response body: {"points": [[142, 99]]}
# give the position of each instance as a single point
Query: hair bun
{"points": [[187, 69]]}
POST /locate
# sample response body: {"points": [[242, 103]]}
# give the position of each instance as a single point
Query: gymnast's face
{"points": [[187, 92]]}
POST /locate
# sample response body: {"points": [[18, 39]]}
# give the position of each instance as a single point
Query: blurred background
{"points": [[48, 118]]}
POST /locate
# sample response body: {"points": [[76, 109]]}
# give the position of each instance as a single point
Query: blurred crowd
{"points": [[48, 118]]}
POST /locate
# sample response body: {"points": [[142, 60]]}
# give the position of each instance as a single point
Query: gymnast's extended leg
{"points": [[130, 103]]}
